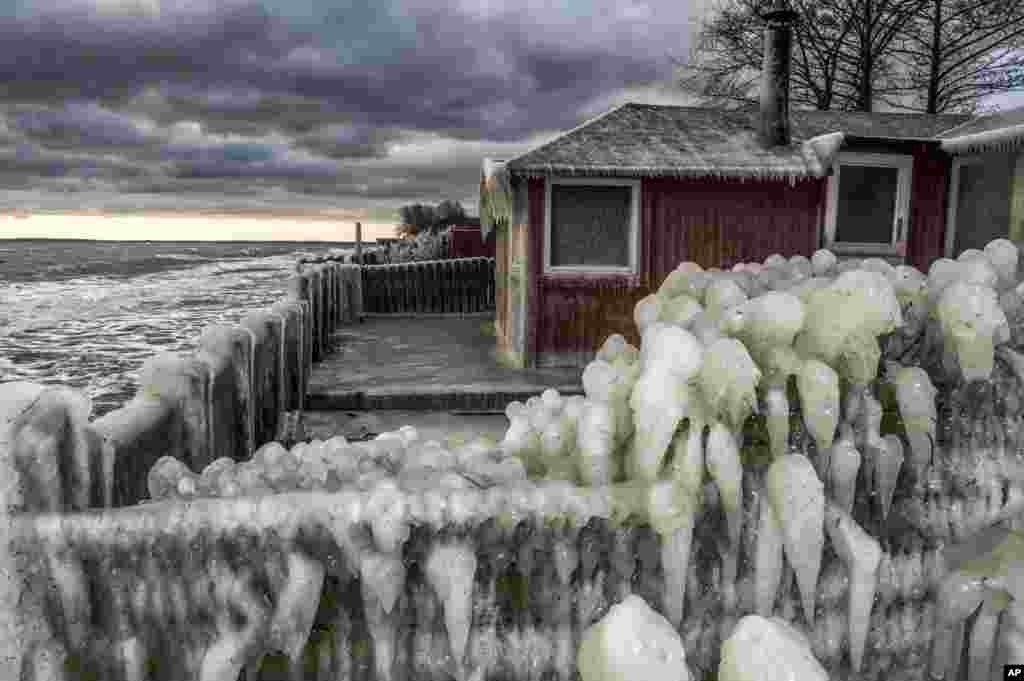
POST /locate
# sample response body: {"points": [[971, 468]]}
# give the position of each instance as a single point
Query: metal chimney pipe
{"points": [[778, 39]]}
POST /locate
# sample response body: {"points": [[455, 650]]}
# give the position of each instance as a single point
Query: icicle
{"points": [[484, 652], [797, 497], [768, 560], [72, 590], [844, 462], [301, 335], [250, 381], [591, 601], [292, 621], [887, 465], [724, 466], [777, 418], [623, 561], [958, 599], [984, 634], [381, 580], [861, 553], [282, 363], [566, 559], [450, 570], [224, 660]]}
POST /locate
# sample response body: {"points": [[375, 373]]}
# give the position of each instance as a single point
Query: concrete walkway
{"points": [[435, 364]]}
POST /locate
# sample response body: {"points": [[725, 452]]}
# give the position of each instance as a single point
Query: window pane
{"points": [[867, 204], [983, 202], [590, 225]]}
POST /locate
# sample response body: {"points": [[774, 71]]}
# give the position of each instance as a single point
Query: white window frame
{"points": [[905, 164], [953, 195], [634, 225]]}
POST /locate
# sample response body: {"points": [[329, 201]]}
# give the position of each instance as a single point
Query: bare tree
{"points": [[945, 55], [865, 64], [957, 52], [724, 67]]}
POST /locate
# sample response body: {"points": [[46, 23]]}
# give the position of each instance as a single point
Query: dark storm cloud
{"points": [[75, 51], [349, 141], [77, 125], [372, 99]]}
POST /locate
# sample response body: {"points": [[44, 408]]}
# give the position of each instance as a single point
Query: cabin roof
{"points": [[678, 141], [1001, 130]]}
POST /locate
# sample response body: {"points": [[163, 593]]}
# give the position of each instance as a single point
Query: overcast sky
{"points": [[110, 104], [144, 103]]}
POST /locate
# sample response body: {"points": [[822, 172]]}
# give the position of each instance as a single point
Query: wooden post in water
{"points": [[359, 243]]}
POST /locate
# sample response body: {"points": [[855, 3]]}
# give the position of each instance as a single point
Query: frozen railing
{"points": [[234, 393], [457, 286]]}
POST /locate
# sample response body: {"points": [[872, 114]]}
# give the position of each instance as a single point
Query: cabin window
{"points": [[868, 203], [978, 210], [591, 225]]}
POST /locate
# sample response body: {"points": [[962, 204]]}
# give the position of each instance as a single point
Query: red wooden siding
{"points": [[719, 223], [713, 222], [927, 235], [467, 242]]}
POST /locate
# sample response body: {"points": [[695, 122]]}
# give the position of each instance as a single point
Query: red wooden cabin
{"points": [[594, 220]]}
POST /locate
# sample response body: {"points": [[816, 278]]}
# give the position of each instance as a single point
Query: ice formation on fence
{"points": [[785, 469]]}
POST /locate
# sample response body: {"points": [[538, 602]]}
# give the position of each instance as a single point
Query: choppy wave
{"points": [[181, 256], [93, 331]]}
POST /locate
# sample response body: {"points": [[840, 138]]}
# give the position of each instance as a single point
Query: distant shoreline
{"points": [[314, 214]]}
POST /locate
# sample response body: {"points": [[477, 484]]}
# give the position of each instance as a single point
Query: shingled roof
{"points": [[677, 141], [1000, 130]]}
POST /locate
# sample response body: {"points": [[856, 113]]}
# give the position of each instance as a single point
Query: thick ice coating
{"points": [[768, 649], [647, 312], [630, 643], [915, 395], [686, 280], [680, 311], [728, 380], [671, 349], [595, 444], [970, 317], [1003, 255], [823, 261], [722, 294], [659, 401], [842, 317], [769, 320]]}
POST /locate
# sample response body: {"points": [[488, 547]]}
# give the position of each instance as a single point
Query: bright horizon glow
{"points": [[187, 228]]}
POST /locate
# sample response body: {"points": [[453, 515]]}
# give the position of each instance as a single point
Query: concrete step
{"points": [[478, 397], [432, 425]]}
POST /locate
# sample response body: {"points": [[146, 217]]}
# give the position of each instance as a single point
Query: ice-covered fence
{"points": [[229, 396], [458, 286], [444, 577], [434, 561]]}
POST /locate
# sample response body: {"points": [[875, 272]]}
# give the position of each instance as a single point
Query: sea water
{"points": [[87, 314]]}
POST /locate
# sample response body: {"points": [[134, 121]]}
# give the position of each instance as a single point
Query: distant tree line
{"points": [[419, 218]]}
